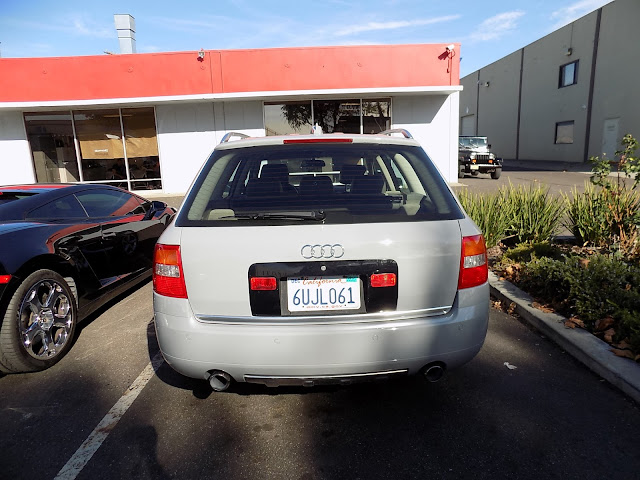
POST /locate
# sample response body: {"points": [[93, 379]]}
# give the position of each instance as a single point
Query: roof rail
{"points": [[397, 130], [227, 136]]}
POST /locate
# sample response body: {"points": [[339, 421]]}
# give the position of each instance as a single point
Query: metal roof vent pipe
{"points": [[126, 27]]}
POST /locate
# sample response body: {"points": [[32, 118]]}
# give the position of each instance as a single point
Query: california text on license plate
{"points": [[323, 293]]}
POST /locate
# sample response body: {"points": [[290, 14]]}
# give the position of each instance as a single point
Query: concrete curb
{"points": [[582, 345]]}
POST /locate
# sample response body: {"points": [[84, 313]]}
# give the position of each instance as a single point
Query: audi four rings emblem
{"points": [[322, 251]]}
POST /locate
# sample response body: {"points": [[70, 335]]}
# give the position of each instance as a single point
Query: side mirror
{"points": [[155, 206]]}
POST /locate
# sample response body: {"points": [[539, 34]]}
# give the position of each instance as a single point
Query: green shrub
{"points": [[534, 214], [587, 216], [591, 289], [527, 213], [488, 212], [526, 252], [621, 202]]}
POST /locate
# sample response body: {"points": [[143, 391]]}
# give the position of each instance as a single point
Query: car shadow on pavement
{"points": [[168, 375]]}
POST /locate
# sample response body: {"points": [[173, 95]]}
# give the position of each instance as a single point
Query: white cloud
{"points": [[497, 26], [376, 26], [80, 26], [566, 15]]}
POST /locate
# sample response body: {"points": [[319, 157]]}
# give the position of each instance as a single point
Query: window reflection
{"points": [[107, 156], [376, 116], [100, 138], [287, 118], [337, 115], [142, 148], [50, 137]]}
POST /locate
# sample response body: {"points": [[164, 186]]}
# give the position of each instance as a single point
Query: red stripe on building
{"points": [[227, 71]]}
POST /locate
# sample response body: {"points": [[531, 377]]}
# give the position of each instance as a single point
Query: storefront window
{"points": [[50, 136], [104, 156], [100, 137], [337, 115], [141, 148], [376, 116], [286, 118]]}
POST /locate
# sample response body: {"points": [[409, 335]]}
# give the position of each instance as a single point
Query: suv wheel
{"points": [[496, 173]]}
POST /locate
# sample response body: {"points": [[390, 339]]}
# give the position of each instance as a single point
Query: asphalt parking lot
{"points": [[112, 408]]}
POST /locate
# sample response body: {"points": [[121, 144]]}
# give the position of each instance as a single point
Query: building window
{"points": [[564, 132], [116, 146], [337, 115], [568, 74], [50, 137], [283, 118], [347, 116], [376, 115]]}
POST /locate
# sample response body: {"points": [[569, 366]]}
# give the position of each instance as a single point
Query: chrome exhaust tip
{"points": [[219, 380]]}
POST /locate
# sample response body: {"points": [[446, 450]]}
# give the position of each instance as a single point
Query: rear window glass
{"points": [[59, 209], [330, 183]]}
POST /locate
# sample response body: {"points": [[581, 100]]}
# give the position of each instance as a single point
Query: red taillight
{"points": [[383, 280], [4, 279], [263, 283], [168, 277], [474, 270], [317, 140]]}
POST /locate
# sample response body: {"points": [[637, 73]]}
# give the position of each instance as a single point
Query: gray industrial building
{"points": [[571, 95]]}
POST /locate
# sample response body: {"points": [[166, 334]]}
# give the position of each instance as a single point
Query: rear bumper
{"points": [[403, 342]]}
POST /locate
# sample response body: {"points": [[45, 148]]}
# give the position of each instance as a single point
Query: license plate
{"points": [[475, 167], [323, 293]]}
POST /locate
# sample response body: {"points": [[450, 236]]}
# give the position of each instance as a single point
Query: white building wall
{"points": [[187, 133], [433, 121], [544, 103], [497, 116], [616, 96], [16, 165]]}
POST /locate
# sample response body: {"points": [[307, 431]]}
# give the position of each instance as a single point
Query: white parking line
{"points": [[82, 456]]}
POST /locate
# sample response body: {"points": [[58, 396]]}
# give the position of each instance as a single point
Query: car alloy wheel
{"points": [[45, 318], [39, 323]]}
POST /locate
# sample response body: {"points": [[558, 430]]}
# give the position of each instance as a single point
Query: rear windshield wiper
{"points": [[316, 215]]}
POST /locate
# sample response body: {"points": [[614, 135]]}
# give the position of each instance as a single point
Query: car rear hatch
{"points": [[340, 225], [219, 264]]}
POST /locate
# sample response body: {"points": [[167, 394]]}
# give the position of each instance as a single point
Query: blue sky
{"points": [[488, 30]]}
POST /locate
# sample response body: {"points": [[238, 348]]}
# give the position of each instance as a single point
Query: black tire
{"points": [[460, 171], [475, 173], [39, 324], [496, 173]]}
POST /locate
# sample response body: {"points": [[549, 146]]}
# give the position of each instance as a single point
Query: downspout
{"points": [[592, 82], [519, 105]]}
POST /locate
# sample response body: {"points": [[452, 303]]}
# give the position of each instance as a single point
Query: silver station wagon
{"points": [[305, 260]]}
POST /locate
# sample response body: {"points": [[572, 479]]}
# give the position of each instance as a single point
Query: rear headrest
{"points": [[349, 172], [320, 185], [368, 184], [275, 171], [258, 187]]}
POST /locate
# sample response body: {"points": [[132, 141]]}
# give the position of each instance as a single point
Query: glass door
{"points": [[50, 136]]}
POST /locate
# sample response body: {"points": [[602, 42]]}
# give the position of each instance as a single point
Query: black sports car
{"points": [[66, 250]]}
